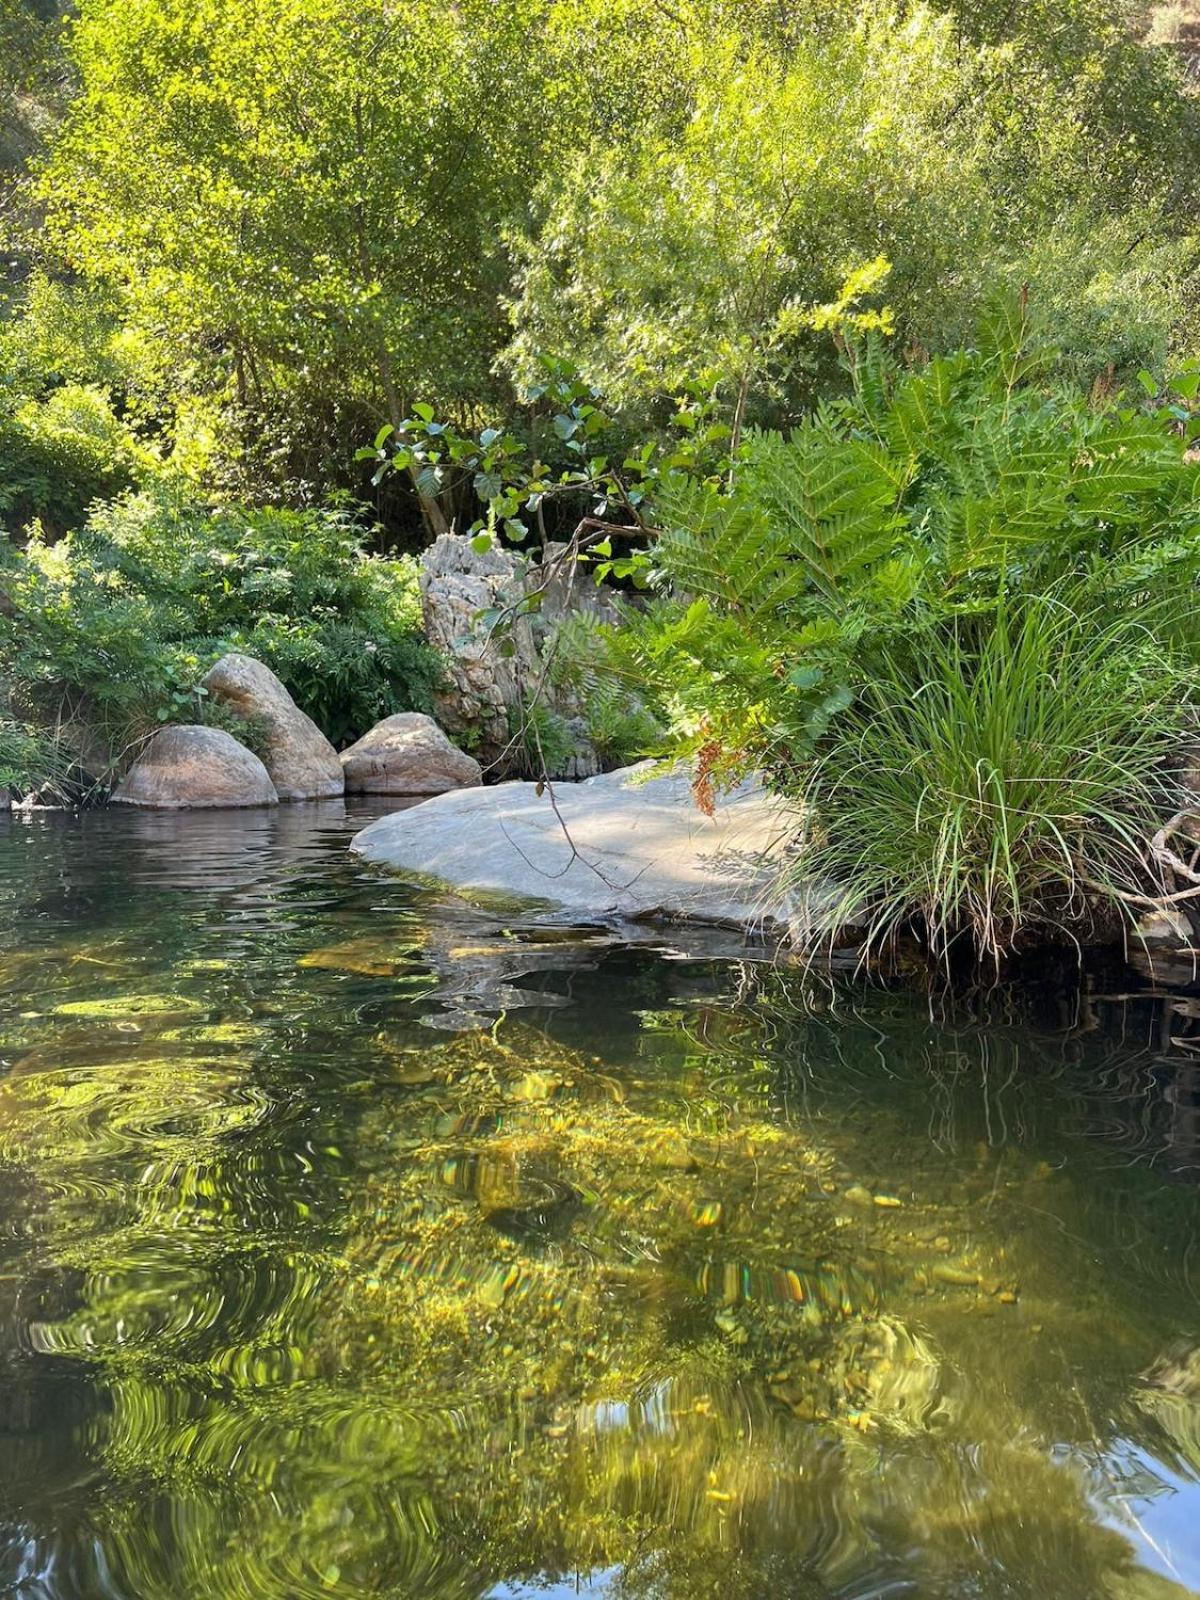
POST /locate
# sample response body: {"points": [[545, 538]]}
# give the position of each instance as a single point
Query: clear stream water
{"points": [[357, 1244]]}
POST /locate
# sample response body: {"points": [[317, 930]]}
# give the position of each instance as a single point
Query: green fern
{"points": [[917, 548]]}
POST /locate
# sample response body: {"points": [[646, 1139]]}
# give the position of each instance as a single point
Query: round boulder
{"points": [[301, 761], [195, 766], [407, 754]]}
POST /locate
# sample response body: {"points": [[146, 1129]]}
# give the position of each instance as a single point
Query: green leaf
{"points": [[425, 412], [481, 543]]}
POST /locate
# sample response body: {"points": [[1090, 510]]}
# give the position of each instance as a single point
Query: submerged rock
{"points": [[1165, 948], [302, 763], [624, 845], [191, 765], [547, 1206], [407, 754]]}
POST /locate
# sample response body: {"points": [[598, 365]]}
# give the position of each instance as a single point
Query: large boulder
{"points": [[459, 584], [484, 682], [624, 845], [195, 766], [301, 761], [407, 754]]}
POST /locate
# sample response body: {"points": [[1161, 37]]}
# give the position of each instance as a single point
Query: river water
{"points": [[356, 1243]]}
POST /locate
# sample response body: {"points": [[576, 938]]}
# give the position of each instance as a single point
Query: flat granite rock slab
{"points": [[622, 845]]}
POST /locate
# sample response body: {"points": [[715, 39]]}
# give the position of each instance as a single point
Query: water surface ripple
{"points": [[355, 1243]]}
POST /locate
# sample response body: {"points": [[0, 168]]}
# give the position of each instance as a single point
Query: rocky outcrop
{"points": [[194, 766], [407, 754], [302, 763], [457, 584], [484, 682], [620, 846]]}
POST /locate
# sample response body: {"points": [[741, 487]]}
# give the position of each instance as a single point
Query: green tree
{"points": [[300, 198], [32, 82], [306, 215], [683, 254], [29, 63]]}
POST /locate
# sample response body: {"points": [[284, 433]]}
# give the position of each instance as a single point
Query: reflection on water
{"points": [[353, 1244]]}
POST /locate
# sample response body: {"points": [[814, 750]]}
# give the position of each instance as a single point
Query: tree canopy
{"points": [[306, 216]]}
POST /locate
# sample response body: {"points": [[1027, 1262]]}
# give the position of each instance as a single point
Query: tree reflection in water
{"points": [[655, 1278]]}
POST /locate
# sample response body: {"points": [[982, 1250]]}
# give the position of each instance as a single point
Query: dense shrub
{"points": [[955, 613], [60, 454], [1008, 783], [31, 760], [117, 623], [540, 743], [691, 254]]}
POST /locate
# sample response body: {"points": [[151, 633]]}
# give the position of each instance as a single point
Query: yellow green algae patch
{"points": [[128, 1007], [370, 957], [215, 1033]]}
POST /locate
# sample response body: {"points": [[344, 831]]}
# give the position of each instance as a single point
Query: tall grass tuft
{"points": [[984, 791], [31, 761]]}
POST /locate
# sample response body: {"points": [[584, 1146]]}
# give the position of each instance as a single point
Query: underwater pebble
{"points": [[675, 1154], [731, 1328], [959, 1276], [534, 1086]]}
